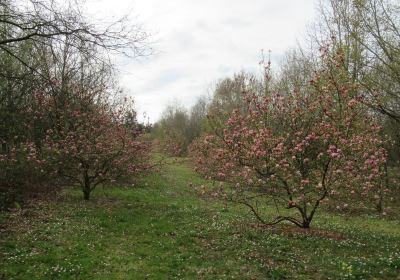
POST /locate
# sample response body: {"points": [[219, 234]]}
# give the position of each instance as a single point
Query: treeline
{"points": [[178, 127], [321, 128], [63, 117]]}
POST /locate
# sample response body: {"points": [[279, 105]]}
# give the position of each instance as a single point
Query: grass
{"points": [[161, 229]]}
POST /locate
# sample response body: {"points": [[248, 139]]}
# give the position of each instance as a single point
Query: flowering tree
{"points": [[296, 150], [95, 144], [49, 51]]}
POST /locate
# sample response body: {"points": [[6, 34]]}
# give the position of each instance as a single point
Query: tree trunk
{"points": [[86, 191], [306, 223], [86, 195], [379, 205]]}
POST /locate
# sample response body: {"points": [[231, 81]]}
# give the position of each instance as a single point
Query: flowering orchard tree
{"points": [[95, 144], [23, 159], [296, 150]]}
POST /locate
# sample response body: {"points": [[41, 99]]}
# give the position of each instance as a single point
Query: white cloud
{"points": [[202, 41]]}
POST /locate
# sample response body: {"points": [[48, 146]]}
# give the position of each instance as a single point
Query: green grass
{"points": [[161, 229]]}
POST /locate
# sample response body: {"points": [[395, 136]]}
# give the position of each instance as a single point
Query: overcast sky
{"points": [[199, 42]]}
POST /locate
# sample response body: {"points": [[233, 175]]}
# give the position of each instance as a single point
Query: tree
{"points": [[178, 127], [295, 151], [228, 96], [197, 118], [40, 20], [175, 126], [368, 31], [94, 145], [295, 72], [54, 61]]}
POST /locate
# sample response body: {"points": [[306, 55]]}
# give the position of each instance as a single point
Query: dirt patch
{"points": [[294, 231]]}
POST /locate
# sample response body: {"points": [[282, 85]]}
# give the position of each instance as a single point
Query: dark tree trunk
{"points": [[86, 194], [306, 223], [86, 190]]}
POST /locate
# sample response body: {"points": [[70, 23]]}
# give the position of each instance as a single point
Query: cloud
{"points": [[202, 41]]}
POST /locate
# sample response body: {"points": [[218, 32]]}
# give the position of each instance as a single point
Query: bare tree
{"points": [[369, 33], [41, 20]]}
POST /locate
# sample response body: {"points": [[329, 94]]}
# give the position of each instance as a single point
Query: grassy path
{"points": [[161, 229]]}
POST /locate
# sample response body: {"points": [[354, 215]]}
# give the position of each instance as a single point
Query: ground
{"points": [[162, 229]]}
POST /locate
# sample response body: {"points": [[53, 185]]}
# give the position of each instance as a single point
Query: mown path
{"points": [[162, 229]]}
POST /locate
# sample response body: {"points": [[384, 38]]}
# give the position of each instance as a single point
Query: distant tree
{"points": [[197, 118], [229, 96], [294, 72], [178, 127], [174, 126]]}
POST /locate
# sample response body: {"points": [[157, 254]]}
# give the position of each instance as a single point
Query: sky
{"points": [[198, 42]]}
